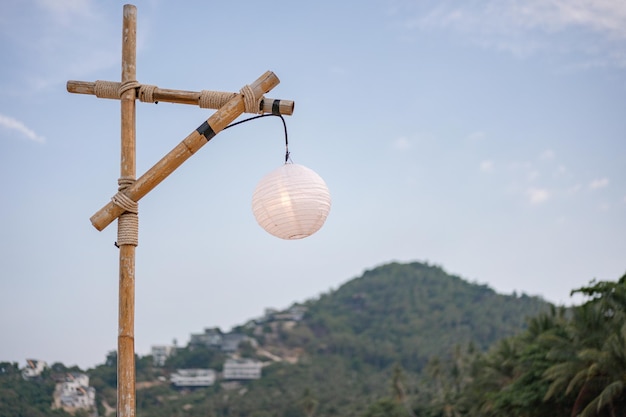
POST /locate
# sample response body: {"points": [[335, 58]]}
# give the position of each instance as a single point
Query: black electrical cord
{"points": [[266, 115]]}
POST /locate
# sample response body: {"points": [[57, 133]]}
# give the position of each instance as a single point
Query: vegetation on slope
{"points": [[408, 312], [402, 340], [367, 343], [25, 398], [565, 363]]}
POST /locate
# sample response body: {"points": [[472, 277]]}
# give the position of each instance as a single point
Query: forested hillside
{"points": [[353, 343], [25, 398], [407, 340], [408, 312]]}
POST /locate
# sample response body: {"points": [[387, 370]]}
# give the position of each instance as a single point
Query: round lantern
{"points": [[291, 202]]}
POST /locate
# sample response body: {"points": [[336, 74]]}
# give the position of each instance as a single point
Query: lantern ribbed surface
{"points": [[291, 202]]}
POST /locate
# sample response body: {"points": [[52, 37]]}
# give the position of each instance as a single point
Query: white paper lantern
{"points": [[291, 202]]}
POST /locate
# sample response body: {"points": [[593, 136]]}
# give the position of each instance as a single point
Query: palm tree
{"points": [[592, 356], [607, 374], [491, 373], [584, 331]]}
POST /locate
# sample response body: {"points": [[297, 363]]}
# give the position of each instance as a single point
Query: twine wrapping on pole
{"points": [[107, 89], [213, 99], [114, 90], [251, 104], [207, 99], [128, 222], [128, 85], [146, 93], [216, 99]]}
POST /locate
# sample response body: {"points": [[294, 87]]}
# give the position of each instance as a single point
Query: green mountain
{"points": [[374, 338], [355, 344], [408, 312]]}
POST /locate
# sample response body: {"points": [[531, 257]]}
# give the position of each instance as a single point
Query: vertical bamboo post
{"points": [[126, 325]]}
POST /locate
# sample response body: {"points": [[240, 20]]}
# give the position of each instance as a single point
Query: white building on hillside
{"points": [[193, 377], [242, 369], [75, 392], [160, 353], [33, 368]]}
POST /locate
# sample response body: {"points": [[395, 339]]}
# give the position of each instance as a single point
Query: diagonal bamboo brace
{"points": [[194, 141]]}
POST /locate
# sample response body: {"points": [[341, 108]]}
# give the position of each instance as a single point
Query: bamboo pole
{"points": [[229, 107], [126, 404], [194, 141], [268, 105]]}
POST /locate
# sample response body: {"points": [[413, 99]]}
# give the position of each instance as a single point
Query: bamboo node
{"points": [[251, 103], [146, 93], [106, 89]]}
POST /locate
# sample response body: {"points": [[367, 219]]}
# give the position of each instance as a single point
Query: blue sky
{"points": [[487, 137]]}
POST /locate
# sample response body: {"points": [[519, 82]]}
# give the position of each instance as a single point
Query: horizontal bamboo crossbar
{"points": [[194, 141], [268, 105]]}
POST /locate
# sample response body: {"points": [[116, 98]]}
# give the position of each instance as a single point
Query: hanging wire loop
{"points": [[287, 153]]}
